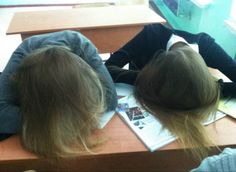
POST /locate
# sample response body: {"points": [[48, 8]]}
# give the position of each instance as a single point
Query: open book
{"points": [[148, 128]]}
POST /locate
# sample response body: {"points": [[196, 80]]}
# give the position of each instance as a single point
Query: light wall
{"points": [[132, 2]]}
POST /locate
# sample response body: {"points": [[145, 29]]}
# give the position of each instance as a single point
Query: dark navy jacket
{"points": [[139, 51]]}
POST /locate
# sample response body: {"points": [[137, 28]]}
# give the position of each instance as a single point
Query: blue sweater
{"points": [[224, 162], [139, 51], [10, 118]]}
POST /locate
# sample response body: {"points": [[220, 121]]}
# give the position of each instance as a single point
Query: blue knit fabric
{"points": [[224, 162]]}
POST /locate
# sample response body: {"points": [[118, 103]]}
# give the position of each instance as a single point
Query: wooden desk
{"points": [[107, 27], [122, 151]]}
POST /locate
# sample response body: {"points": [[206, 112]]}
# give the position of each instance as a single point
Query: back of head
{"points": [[61, 99], [177, 87]]}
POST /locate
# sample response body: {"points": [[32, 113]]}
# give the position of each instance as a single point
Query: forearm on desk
{"points": [[120, 75], [228, 89]]}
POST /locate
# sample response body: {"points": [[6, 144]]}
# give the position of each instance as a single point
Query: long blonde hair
{"points": [[61, 99], [178, 89]]}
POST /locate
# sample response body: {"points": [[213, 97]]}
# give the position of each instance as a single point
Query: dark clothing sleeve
{"points": [[120, 75], [212, 53], [215, 57], [140, 50]]}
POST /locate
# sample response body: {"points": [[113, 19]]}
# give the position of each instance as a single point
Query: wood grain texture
{"points": [[107, 27]]}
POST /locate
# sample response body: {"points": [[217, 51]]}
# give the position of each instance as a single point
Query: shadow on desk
{"points": [[175, 160], [129, 161]]}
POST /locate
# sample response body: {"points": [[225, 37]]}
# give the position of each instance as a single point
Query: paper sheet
{"points": [[228, 106]]}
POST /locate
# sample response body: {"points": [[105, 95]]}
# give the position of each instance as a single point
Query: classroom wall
{"points": [[209, 19], [132, 2]]}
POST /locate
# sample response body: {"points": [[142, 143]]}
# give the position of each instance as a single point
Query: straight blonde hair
{"points": [[178, 89], [61, 100]]}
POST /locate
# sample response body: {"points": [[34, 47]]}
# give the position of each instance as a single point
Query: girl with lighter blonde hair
{"points": [[57, 88]]}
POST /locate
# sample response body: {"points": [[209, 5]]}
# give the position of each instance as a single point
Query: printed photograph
{"points": [[134, 113]]}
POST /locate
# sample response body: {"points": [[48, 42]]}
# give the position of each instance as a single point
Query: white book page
{"points": [[123, 89], [145, 126]]}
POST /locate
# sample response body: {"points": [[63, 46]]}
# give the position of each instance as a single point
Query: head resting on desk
{"points": [[61, 99], [178, 89]]}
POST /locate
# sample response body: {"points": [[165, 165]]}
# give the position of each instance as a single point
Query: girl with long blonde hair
{"points": [[53, 92], [178, 89], [175, 84]]}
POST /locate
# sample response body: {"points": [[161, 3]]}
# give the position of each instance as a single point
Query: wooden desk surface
{"points": [[122, 151], [108, 28], [81, 18]]}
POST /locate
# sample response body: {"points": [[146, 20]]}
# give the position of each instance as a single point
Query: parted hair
{"points": [[178, 89], [61, 100]]}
